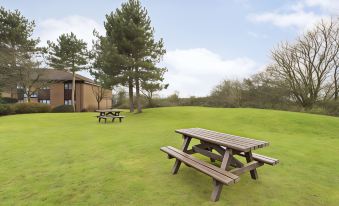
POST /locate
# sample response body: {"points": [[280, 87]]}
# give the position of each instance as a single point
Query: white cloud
{"points": [[331, 6], [197, 71], [297, 19], [299, 15], [51, 29]]}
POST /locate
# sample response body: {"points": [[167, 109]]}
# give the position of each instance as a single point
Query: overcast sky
{"points": [[206, 41]]}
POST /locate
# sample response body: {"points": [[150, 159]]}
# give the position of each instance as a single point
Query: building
{"points": [[59, 92]]}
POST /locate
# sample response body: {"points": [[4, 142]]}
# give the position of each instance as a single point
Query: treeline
{"points": [[127, 55], [303, 75]]}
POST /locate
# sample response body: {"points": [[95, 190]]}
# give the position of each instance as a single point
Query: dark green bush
{"points": [[63, 108], [30, 107], [8, 100], [6, 109]]}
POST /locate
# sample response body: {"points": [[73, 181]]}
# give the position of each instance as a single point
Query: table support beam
{"points": [[184, 148], [249, 158], [218, 185]]}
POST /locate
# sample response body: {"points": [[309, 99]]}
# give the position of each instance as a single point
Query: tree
{"points": [[149, 89], [228, 93], [130, 42], [100, 89], [70, 54], [307, 64], [16, 46], [30, 75]]}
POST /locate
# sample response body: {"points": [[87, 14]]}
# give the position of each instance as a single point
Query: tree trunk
{"points": [[73, 91], [130, 93], [137, 92], [98, 105], [28, 97]]}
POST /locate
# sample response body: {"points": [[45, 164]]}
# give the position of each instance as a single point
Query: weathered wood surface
{"points": [[230, 141], [109, 110], [247, 167], [227, 148], [217, 173], [263, 159], [110, 117]]}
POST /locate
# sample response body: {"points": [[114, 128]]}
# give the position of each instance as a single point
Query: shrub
{"points": [[6, 109], [331, 107], [8, 100], [63, 108], [30, 107]]}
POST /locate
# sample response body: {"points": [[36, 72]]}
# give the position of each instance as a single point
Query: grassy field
{"points": [[70, 159]]}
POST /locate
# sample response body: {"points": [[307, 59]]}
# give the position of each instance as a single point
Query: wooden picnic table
{"points": [[227, 149], [109, 113], [105, 112]]}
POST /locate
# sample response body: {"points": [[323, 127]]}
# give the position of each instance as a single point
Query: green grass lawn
{"points": [[70, 159]]}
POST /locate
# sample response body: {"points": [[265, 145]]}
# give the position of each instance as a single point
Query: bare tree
{"points": [[307, 64], [100, 93]]}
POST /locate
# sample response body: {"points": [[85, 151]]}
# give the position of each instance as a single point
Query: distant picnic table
{"points": [[227, 148], [109, 114]]}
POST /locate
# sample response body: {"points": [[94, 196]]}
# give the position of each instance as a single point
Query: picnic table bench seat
{"points": [[210, 170], [110, 117], [264, 159]]}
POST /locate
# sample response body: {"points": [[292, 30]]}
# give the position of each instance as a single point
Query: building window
{"points": [[34, 95], [69, 102], [45, 101], [45, 88], [68, 86]]}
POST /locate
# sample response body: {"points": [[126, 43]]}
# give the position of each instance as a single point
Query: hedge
{"points": [[6, 109], [63, 108], [29, 107], [8, 100]]}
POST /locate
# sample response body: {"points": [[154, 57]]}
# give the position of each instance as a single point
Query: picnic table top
{"points": [[109, 110], [229, 141]]}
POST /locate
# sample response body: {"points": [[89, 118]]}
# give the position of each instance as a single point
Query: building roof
{"points": [[60, 75]]}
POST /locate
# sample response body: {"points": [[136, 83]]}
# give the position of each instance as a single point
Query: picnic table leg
{"points": [[218, 185], [184, 147], [249, 158], [210, 149]]}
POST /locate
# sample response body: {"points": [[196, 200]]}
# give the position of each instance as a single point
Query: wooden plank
{"points": [[229, 136], [247, 167], [202, 166], [218, 142], [244, 139], [217, 148], [249, 158], [254, 144], [207, 153], [236, 163], [184, 148], [217, 169], [226, 160], [262, 158], [217, 188], [231, 141]]}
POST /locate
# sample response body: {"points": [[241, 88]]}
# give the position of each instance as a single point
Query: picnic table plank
{"points": [[230, 141], [241, 140]]}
